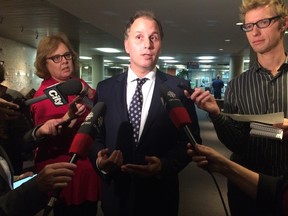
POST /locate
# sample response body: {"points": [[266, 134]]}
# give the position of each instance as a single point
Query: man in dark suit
{"points": [[140, 173]]}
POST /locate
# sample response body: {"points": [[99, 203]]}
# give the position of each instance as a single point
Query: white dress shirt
{"points": [[147, 91]]}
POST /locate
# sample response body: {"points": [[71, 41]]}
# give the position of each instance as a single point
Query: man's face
{"points": [[265, 39], [143, 44]]}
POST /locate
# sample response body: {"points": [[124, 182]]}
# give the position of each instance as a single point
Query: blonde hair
{"points": [[47, 46], [278, 7]]}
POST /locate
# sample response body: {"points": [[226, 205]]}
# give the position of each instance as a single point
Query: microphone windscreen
{"points": [[70, 87], [94, 120], [88, 130], [81, 144], [169, 98], [179, 116], [58, 93], [176, 110]]}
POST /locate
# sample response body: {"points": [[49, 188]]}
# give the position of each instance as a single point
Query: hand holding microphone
{"points": [[176, 111], [75, 109], [8, 110], [82, 142], [58, 93]]}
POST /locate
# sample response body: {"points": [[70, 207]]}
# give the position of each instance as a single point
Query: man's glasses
{"points": [[58, 58], [263, 23]]}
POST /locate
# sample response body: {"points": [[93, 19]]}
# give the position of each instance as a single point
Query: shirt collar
{"points": [[132, 76], [258, 68]]}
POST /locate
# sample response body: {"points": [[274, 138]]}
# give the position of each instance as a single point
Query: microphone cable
{"points": [[219, 191]]}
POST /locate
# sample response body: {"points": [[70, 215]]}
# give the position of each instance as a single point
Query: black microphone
{"points": [[181, 119], [58, 93], [176, 111], [186, 87], [82, 143]]}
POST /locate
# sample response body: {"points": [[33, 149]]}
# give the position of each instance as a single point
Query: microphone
{"points": [[181, 119], [58, 93], [82, 142], [185, 87], [176, 111], [87, 132]]}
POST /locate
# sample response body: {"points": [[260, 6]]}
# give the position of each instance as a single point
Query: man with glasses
{"points": [[261, 89]]}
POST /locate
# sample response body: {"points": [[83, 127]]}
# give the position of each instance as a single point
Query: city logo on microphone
{"points": [[55, 96]]}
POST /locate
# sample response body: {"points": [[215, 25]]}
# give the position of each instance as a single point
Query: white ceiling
{"points": [[191, 27]]}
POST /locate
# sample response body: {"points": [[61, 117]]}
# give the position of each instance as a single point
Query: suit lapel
{"points": [[120, 95], [155, 103]]}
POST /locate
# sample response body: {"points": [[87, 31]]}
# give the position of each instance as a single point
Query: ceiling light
{"points": [[206, 57], [123, 57], [171, 61], [205, 61], [108, 50], [166, 57], [85, 57]]}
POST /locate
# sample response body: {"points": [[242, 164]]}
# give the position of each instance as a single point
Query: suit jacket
{"points": [[128, 195], [24, 200]]}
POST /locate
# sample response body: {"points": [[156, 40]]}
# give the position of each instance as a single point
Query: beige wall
{"points": [[19, 65]]}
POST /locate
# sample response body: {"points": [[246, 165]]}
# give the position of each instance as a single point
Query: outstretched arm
{"points": [[208, 158]]}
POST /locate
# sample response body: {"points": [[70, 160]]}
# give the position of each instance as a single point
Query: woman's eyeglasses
{"points": [[58, 58]]}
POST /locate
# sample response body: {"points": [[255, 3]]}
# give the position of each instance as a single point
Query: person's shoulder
{"points": [[111, 81], [243, 76], [171, 77]]}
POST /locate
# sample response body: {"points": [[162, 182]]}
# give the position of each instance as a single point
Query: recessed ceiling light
{"points": [[123, 57], [205, 61], [171, 61], [85, 57], [166, 57], [108, 50], [206, 57]]}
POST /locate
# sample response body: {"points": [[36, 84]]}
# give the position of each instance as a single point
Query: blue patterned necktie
{"points": [[135, 108]]}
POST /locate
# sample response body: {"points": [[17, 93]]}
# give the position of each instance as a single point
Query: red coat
{"points": [[86, 183]]}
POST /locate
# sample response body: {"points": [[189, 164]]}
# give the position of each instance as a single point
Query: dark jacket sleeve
{"points": [[24, 200], [271, 191]]}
